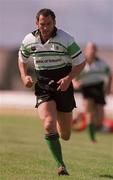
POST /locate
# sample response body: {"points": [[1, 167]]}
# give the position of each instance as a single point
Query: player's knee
{"points": [[48, 125], [65, 137]]}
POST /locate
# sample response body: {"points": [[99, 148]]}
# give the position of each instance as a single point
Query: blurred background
{"points": [[86, 20], [23, 154]]}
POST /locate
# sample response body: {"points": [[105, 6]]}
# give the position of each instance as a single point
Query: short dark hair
{"points": [[45, 12]]}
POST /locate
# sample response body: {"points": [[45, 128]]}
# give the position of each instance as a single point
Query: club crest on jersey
{"points": [[53, 47], [57, 48], [33, 48]]}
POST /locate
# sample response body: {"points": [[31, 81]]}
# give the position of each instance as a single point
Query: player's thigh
{"points": [[89, 105], [47, 109], [100, 110]]}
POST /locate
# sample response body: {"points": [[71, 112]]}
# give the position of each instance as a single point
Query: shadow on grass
{"points": [[106, 176]]}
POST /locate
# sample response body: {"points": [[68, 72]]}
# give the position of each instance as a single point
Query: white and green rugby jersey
{"points": [[96, 72], [57, 52]]}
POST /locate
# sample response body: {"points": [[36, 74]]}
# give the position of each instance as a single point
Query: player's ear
{"points": [[37, 23]]}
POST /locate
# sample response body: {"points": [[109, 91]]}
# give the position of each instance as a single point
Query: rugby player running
{"points": [[57, 60]]}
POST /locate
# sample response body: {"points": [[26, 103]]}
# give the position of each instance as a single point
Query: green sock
{"points": [[55, 147], [91, 130]]}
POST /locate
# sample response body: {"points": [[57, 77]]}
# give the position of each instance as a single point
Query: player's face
{"points": [[90, 53], [46, 26]]}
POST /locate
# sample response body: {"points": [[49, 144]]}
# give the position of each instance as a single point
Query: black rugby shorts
{"points": [[64, 100], [94, 92]]}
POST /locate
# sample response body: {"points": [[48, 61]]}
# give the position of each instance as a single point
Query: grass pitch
{"points": [[24, 154]]}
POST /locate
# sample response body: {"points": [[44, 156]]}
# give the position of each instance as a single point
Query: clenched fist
{"points": [[28, 82]]}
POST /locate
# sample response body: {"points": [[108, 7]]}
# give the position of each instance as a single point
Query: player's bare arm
{"points": [[65, 82], [27, 80]]}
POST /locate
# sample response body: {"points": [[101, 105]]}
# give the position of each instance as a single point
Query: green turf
{"points": [[24, 154]]}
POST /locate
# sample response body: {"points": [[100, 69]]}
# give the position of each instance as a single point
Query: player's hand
{"points": [[63, 83], [28, 82]]}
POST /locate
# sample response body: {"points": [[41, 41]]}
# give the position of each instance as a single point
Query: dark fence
{"points": [[9, 73]]}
